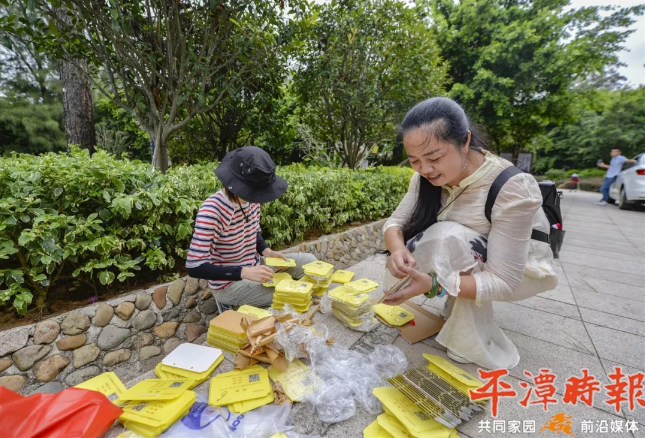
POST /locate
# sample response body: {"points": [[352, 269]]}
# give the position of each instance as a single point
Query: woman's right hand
{"points": [[398, 260], [258, 274]]}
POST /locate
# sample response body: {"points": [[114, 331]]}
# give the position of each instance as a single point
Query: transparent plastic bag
{"points": [[204, 421], [349, 377]]}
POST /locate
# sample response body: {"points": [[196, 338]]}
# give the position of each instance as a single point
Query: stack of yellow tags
{"points": [[277, 278], [190, 361], [353, 310], [403, 419], [394, 315], [342, 277], [241, 390], [298, 381], [362, 286], [107, 384], [318, 271], [153, 405], [225, 331], [295, 293], [320, 287]]}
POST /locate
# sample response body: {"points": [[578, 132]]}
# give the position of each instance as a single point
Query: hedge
{"points": [[80, 218]]}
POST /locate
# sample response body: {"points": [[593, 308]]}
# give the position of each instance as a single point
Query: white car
{"points": [[629, 187]]}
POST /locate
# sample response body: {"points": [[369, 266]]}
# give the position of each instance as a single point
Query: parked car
{"points": [[629, 187]]}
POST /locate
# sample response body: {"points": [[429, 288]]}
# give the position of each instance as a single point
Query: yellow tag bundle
{"points": [[342, 277], [394, 315], [362, 286], [280, 262], [241, 390], [277, 278], [190, 361], [226, 333], [402, 418], [320, 287], [152, 418], [319, 271], [353, 310], [296, 293]]}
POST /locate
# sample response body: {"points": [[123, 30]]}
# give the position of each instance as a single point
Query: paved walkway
{"points": [[594, 319]]}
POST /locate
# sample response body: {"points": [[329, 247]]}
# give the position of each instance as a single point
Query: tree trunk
{"points": [[78, 110], [160, 158]]}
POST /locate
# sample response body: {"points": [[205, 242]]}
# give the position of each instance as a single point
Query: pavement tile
{"points": [[612, 321], [619, 346], [548, 327], [550, 306], [637, 414], [562, 293], [586, 272], [609, 304], [608, 287], [602, 261]]}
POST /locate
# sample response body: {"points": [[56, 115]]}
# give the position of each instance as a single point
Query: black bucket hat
{"points": [[249, 173]]}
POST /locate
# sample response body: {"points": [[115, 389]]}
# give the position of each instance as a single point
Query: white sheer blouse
{"points": [[512, 254]]}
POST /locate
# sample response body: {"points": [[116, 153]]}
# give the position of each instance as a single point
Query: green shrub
{"points": [[586, 184], [592, 173], [100, 218], [555, 174]]}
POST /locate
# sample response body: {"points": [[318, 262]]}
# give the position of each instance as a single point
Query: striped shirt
{"points": [[223, 237]]}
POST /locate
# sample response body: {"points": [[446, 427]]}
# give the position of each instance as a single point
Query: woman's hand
{"points": [[271, 253], [420, 283], [258, 274], [400, 260]]}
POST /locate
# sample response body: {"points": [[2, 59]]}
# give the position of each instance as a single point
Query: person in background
{"points": [[575, 179], [613, 169], [227, 246]]}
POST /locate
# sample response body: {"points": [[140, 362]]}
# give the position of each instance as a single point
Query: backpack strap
{"points": [[494, 190], [497, 185]]}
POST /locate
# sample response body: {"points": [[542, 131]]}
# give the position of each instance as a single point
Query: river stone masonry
{"points": [[131, 334]]}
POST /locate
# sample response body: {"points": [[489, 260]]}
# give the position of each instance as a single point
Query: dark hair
{"points": [[616, 149], [445, 120]]}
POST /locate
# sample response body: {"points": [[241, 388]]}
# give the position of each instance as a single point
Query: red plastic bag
{"points": [[70, 413]]}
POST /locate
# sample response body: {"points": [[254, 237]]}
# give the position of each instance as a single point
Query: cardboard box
{"points": [[424, 324]]}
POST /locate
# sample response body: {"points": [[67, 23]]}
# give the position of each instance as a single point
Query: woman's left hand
{"points": [[420, 283]]}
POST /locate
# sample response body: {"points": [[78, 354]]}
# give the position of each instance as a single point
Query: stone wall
{"points": [[347, 248], [132, 333]]}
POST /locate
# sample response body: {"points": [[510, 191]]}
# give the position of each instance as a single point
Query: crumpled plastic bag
{"points": [[72, 412]]}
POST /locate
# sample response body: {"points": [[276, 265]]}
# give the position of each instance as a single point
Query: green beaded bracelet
{"points": [[436, 287]]}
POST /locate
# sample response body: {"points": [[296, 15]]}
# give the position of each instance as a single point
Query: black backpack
{"points": [[550, 204]]}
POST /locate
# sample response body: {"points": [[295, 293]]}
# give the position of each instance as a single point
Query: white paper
{"points": [[191, 357]]}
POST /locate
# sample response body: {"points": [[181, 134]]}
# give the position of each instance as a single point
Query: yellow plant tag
{"points": [[413, 419], [107, 384], [294, 287], [186, 374], [157, 389], [393, 315], [317, 283], [343, 295], [254, 311], [318, 269], [298, 381], [248, 405], [277, 278], [279, 262], [157, 414], [444, 367], [239, 385], [342, 277], [374, 430], [361, 286], [392, 426]]}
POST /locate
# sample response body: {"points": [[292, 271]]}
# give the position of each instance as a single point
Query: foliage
{"points": [[26, 73], [607, 120], [361, 66], [99, 220], [30, 128], [115, 123], [513, 63]]}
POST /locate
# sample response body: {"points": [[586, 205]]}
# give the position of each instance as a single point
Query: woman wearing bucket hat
{"points": [[227, 246]]}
